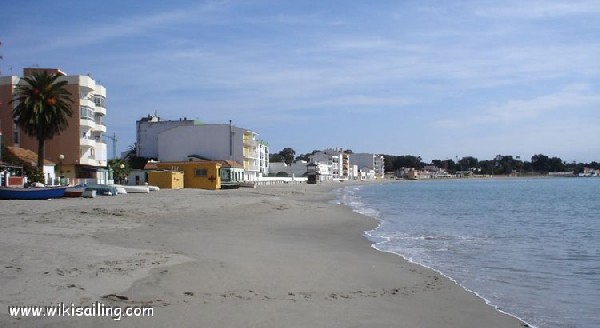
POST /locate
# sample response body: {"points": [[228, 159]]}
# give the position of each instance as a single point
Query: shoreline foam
{"points": [[365, 211]]}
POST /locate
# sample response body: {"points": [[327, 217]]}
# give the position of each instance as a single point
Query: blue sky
{"points": [[439, 79]]}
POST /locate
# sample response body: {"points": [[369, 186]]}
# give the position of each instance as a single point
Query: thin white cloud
{"points": [[125, 27], [568, 100], [538, 9]]}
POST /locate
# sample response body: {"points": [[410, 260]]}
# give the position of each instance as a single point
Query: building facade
{"points": [[147, 131], [80, 150], [196, 174], [336, 159], [296, 169], [369, 165], [172, 141]]}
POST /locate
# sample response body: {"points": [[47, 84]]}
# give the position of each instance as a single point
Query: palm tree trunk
{"points": [[41, 155]]}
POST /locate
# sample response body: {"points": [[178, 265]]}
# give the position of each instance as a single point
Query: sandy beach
{"points": [[274, 256]]}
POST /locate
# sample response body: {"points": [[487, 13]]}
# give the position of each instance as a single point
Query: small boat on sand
{"points": [[75, 191], [104, 190], [136, 189], [32, 193], [121, 190]]}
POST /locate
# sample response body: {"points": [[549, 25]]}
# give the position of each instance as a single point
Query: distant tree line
{"points": [[539, 164]]}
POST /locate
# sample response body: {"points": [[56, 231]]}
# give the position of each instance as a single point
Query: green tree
{"points": [[540, 163], [504, 165], [133, 160], [446, 164], [276, 158], [468, 162], [120, 168], [42, 110], [306, 157], [407, 161], [557, 164], [288, 155]]}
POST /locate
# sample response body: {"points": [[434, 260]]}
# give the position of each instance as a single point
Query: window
{"points": [[99, 119], [86, 113], [201, 172], [99, 100]]}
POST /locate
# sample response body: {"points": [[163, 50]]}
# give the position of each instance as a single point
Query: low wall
{"points": [[280, 180]]}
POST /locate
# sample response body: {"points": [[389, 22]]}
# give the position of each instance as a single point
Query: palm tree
{"points": [[42, 109]]}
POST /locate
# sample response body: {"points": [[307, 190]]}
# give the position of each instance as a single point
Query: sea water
{"points": [[530, 247]]}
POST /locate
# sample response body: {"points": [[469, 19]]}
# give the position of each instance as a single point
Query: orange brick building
{"points": [[83, 150]]}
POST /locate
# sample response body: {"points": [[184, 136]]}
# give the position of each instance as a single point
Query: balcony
{"points": [[251, 155], [86, 102], [253, 168], [86, 122], [250, 142], [100, 110], [88, 161], [100, 128], [86, 83], [87, 143]]}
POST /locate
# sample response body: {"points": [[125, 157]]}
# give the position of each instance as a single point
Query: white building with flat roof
{"points": [[147, 130], [372, 165], [211, 142], [336, 159]]}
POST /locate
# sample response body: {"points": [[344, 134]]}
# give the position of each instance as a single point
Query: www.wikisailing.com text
{"points": [[71, 310]]}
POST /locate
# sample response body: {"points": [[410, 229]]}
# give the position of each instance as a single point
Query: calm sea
{"points": [[530, 247]]}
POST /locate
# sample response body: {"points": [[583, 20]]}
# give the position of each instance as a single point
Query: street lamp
{"points": [[61, 157], [122, 167]]}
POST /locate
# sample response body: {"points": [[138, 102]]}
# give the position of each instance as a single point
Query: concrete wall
{"points": [[298, 169], [208, 140], [147, 132]]}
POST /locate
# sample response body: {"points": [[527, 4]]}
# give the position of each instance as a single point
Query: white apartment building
{"points": [[172, 141], [371, 164], [337, 160]]}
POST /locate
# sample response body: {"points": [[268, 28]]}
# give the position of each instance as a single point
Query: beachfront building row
{"points": [[428, 172], [334, 164], [370, 166], [296, 169], [180, 140], [337, 164], [337, 161], [80, 150]]}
